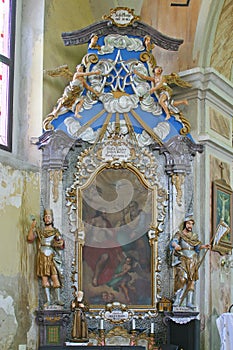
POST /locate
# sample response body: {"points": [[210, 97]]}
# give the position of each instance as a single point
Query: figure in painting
{"points": [[102, 251], [49, 262], [160, 86], [121, 279], [186, 247], [136, 269], [131, 235], [72, 95], [79, 306]]}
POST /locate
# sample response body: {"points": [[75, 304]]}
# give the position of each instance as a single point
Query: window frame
{"points": [[9, 61]]}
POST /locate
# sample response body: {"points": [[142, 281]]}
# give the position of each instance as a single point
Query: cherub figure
{"points": [[160, 85], [147, 43], [73, 91], [94, 41]]}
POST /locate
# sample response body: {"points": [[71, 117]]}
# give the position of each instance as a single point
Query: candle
{"points": [[101, 324], [152, 327], [133, 323]]}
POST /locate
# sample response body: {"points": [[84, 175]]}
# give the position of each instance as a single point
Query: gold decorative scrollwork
{"points": [[186, 125], [47, 123], [122, 16], [90, 58], [148, 57]]}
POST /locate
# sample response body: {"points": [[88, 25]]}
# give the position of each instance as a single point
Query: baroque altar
{"points": [[117, 172]]}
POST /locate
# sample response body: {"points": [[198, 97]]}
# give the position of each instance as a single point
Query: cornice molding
{"points": [[106, 27], [208, 83]]}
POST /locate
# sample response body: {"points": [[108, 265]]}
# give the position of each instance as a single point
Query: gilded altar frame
{"points": [[141, 172]]}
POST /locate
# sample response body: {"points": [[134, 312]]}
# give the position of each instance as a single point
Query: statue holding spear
{"points": [[186, 247]]}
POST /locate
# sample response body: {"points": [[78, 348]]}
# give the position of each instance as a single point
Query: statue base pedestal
{"points": [[52, 327], [183, 329]]}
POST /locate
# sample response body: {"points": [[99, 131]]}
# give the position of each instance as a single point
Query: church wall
{"points": [[78, 15], [178, 22], [20, 195], [221, 58], [20, 185], [210, 114], [213, 127]]}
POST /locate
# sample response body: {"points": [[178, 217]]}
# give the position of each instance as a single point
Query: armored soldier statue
{"points": [[49, 263], [186, 247]]}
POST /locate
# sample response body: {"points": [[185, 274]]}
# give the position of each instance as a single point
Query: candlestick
{"points": [[133, 337], [152, 327], [133, 324], [101, 324], [101, 338]]}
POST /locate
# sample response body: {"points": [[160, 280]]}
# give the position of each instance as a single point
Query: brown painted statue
{"points": [[186, 247], [50, 245], [79, 306]]}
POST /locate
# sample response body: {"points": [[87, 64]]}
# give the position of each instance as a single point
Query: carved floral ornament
{"points": [[122, 16], [116, 313], [113, 155], [117, 154]]}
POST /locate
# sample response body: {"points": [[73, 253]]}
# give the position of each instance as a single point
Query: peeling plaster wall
{"points": [[19, 197], [20, 185]]}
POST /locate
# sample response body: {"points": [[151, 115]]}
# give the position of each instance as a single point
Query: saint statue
{"points": [[79, 306]]}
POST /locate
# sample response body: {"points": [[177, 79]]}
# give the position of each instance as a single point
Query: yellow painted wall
{"points": [[19, 197], [62, 16]]}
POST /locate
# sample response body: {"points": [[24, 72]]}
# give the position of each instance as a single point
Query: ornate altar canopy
{"points": [[117, 47]]}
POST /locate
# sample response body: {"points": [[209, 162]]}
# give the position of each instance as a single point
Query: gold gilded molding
{"points": [[90, 58], [142, 164], [186, 124], [122, 16], [47, 123], [148, 57]]}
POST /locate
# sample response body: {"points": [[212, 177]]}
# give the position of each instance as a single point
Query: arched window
{"points": [[7, 43]]}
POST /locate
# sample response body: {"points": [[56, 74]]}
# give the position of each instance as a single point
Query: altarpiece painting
{"points": [[117, 215]]}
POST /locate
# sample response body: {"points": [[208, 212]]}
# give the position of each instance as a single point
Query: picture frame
{"points": [[106, 180], [222, 237], [137, 287]]}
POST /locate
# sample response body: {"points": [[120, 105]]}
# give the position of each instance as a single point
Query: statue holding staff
{"points": [[49, 263]]}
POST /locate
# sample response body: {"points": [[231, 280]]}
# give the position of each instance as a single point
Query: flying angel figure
{"points": [[72, 95], [160, 86]]}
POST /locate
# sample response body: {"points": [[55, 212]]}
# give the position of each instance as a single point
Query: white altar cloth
{"points": [[75, 344], [225, 329]]}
